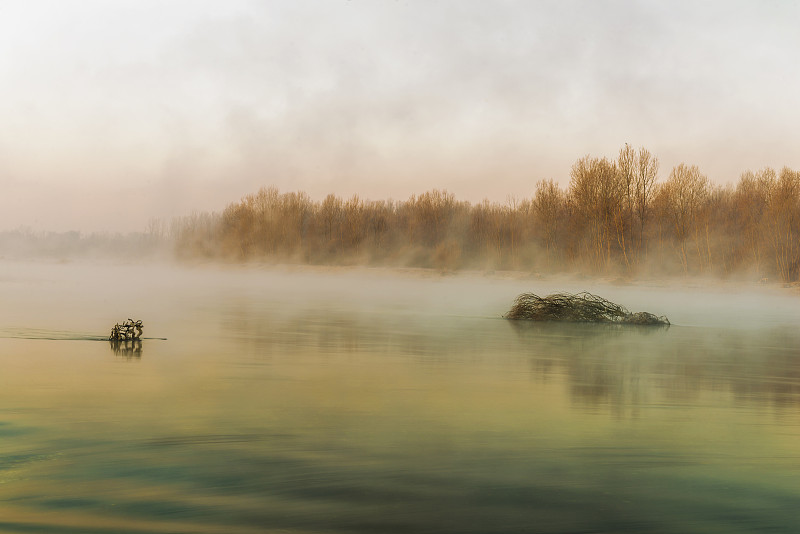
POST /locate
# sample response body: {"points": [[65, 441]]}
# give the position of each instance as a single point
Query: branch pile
{"points": [[580, 308], [128, 330]]}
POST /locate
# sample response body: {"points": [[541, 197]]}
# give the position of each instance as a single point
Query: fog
{"points": [[374, 400], [90, 296], [117, 113]]}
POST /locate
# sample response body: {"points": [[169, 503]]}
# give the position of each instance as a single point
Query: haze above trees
{"points": [[614, 218]]}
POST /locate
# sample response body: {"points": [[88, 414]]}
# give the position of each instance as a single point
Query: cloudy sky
{"points": [[113, 112]]}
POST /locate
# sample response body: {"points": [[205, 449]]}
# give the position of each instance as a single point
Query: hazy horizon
{"points": [[115, 113]]}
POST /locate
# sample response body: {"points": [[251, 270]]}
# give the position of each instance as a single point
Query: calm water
{"points": [[369, 402]]}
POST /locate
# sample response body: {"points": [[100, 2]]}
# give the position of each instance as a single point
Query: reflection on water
{"points": [[256, 417], [604, 364], [126, 348]]}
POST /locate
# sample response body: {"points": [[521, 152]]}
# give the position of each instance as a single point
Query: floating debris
{"points": [[580, 308], [128, 330]]}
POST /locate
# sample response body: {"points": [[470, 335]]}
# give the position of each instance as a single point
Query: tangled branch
{"points": [[581, 307], [128, 330]]}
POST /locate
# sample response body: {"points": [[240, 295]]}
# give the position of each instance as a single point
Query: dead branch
{"points": [[128, 330], [581, 308]]}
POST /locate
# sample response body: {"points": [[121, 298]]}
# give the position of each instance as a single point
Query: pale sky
{"points": [[113, 112]]}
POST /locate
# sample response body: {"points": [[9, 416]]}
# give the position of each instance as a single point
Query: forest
{"points": [[615, 218]]}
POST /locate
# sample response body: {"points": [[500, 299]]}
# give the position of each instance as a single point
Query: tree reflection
{"points": [[623, 366], [604, 366]]}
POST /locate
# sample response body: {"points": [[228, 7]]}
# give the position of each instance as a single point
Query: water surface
{"points": [[373, 402]]}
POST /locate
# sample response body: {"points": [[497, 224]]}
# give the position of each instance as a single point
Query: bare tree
{"points": [[596, 192], [548, 210], [644, 184], [751, 200], [613, 214], [784, 223], [685, 191], [626, 168]]}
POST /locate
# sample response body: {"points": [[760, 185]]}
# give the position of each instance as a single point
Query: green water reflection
{"points": [[333, 420]]}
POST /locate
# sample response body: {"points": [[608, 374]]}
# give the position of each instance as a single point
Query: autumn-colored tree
{"points": [[330, 215], [684, 193], [613, 215], [549, 215], [751, 199], [783, 224], [596, 192], [623, 218], [644, 185]]}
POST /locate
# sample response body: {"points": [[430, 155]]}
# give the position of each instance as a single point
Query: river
{"points": [[304, 400]]}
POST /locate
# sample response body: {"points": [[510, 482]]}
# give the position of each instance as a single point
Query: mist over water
{"points": [[388, 397], [376, 401]]}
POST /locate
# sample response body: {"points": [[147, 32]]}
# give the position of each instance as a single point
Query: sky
{"points": [[115, 112]]}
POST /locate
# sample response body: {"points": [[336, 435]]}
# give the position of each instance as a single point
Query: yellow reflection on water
{"points": [[251, 417]]}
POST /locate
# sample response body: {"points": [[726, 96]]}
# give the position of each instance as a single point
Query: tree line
{"points": [[614, 218]]}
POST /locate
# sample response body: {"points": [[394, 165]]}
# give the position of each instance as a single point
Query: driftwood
{"points": [[581, 307], [128, 330]]}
